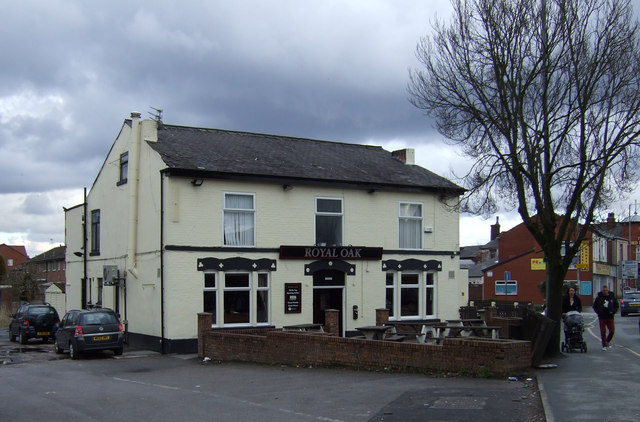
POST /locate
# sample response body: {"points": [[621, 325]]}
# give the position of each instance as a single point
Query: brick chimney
{"points": [[611, 220], [495, 229], [407, 155]]}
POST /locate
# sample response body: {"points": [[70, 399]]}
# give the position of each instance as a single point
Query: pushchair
{"points": [[573, 328]]}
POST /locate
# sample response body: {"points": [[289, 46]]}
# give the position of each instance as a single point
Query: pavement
{"points": [[597, 385]]}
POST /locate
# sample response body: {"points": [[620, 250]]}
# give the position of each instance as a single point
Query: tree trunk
{"points": [[555, 280]]}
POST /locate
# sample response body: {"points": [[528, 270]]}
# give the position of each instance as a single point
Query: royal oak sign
{"points": [[330, 252]]}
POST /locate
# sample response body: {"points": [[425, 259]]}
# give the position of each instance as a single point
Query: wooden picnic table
{"points": [[420, 329], [457, 330], [373, 332], [311, 328], [468, 322]]}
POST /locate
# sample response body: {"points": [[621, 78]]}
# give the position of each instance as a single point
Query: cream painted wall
{"points": [[74, 270], [287, 217]]}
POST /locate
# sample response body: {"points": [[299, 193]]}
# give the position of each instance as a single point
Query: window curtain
{"points": [[328, 230], [238, 228], [410, 226], [410, 233], [238, 225]]}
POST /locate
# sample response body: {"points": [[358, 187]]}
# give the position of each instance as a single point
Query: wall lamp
{"points": [[197, 182], [286, 187], [78, 254]]}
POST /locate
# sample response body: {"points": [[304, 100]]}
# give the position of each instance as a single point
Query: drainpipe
{"points": [[162, 339], [85, 252], [134, 169]]}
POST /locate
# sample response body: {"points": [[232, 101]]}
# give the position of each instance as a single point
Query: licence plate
{"points": [[43, 333], [101, 338], [634, 304]]}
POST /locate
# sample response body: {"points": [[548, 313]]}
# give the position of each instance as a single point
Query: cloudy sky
{"points": [[72, 71]]}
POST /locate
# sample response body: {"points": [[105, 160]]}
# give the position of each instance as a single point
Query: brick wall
{"points": [[271, 346]]}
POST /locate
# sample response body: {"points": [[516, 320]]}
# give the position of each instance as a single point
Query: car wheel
{"points": [[22, 338], [12, 337], [57, 348], [118, 351], [73, 353], [623, 314]]}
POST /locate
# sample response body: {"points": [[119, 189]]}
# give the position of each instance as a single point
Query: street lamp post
{"points": [[629, 244]]}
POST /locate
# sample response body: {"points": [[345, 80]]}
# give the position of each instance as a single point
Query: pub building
{"points": [[260, 231]]}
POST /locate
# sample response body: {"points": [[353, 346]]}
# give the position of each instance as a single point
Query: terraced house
{"points": [[259, 230]]}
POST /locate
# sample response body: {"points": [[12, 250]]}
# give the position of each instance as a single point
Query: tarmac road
{"points": [[100, 387]]}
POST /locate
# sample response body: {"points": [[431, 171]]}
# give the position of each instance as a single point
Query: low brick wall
{"points": [[272, 346]]}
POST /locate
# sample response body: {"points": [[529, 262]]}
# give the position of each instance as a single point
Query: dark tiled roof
{"points": [[221, 153], [57, 253]]}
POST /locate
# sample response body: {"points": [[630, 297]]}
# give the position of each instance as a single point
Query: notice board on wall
{"points": [[292, 298]]}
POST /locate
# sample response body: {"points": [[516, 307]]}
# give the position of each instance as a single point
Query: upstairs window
{"points": [[124, 168], [95, 232], [329, 216], [239, 219], [410, 226]]}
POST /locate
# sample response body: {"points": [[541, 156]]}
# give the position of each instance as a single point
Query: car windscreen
{"points": [[98, 318], [632, 296]]}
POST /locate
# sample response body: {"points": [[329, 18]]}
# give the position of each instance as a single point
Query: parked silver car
{"points": [[630, 303]]}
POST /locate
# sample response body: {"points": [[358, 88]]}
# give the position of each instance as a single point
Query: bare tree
{"points": [[544, 97]]}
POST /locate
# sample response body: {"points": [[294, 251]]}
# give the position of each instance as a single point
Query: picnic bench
{"points": [[473, 327], [373, 332], [421, 330], [307, 328], [458, 330]]}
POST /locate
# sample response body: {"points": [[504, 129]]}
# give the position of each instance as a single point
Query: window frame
{"points": [[506, 290], [427, 283], [208, 289], [259, 289], [95, 232], [328, 214], [420, 219], [247, 289], [259, 284], [251, 211], [123, 168]]}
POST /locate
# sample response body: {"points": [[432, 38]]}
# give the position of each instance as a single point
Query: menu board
{"points": [[292, 298]]}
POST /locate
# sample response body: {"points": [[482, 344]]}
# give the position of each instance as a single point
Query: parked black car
{"points": [[33, 321], [85, 330], [630, 303]]}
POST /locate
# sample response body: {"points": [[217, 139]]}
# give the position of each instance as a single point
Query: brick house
{"points": [[519, 269], [48, 267], [260, 231], [610, 247], [13, 256]]}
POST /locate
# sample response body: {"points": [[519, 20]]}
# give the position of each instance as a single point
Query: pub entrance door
{"points": [[328, 293]]}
